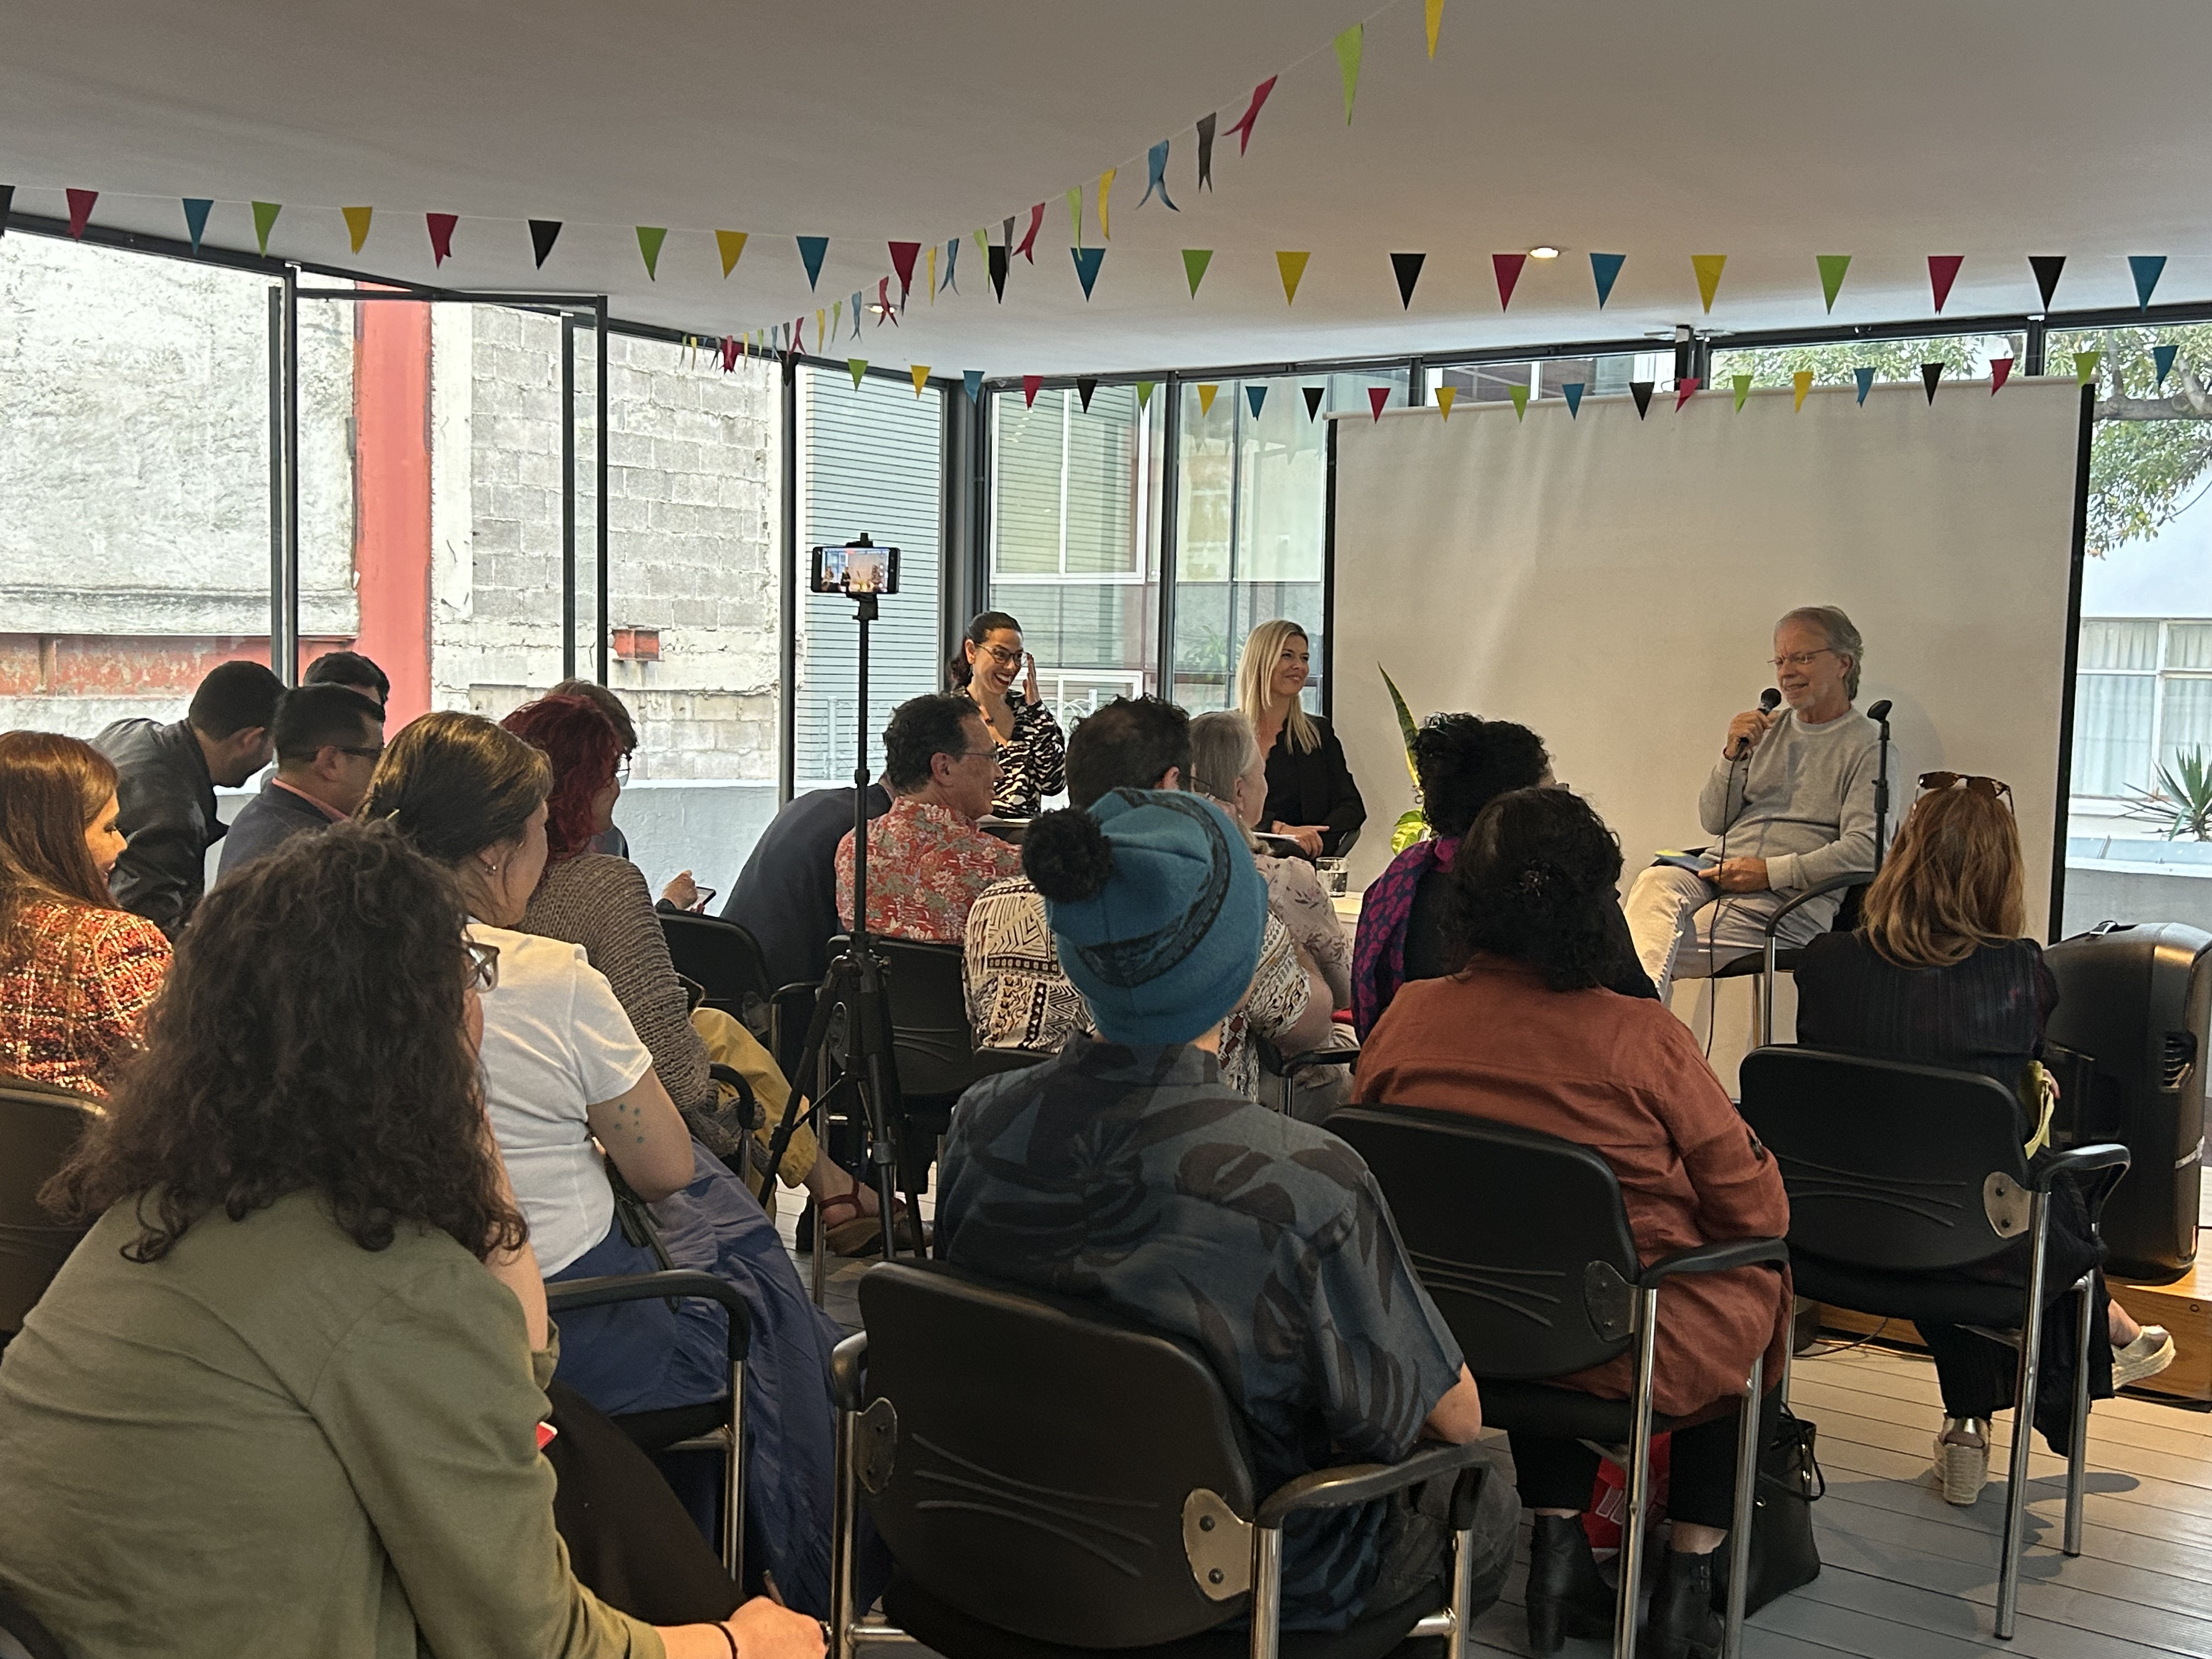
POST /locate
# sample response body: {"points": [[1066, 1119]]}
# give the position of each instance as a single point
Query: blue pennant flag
{"points": [[1605, 268], [1572, 391], [1158, 159], [2162, 358], [973, 379], [856, 313], [195, 218], [1087, 261], [811, 250], [1255, 395], [2146, 268], [951, 264], [1864, 376]]}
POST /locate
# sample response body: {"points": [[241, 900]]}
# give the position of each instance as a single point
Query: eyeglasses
{"points": [[622, 770], [484, 965], [365, 754], [1798, 659], [1994, 788], [974, 754], [1000, 655]]}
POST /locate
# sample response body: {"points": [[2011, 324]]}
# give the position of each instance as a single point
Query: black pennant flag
{"points": [[2046, 267], [1083, 387], [7, 201], [1409, 267], [998, 256], [1206, 153], [1642, 389], [1314, 394], [543, 233], [1930, 374], [1010, 231]]}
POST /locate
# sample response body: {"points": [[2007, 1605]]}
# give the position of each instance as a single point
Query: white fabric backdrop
{"points": [[1614, 584]]}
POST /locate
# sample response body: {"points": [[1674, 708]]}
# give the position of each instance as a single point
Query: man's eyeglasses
{"points": [[484, 965], [1994, 788], [974, 754], [364, 754], [1798, 659]]}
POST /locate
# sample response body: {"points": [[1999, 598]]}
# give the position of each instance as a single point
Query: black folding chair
{"points": [[1279, 1074], [22, 1636], [1774, 958], [714, 1426], [726, 962], [1522, 1242], [39, 1125], [1051, 1476], [1900, 1175]]}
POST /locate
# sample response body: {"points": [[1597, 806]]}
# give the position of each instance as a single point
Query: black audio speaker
{"points": [[2129, 1038]]}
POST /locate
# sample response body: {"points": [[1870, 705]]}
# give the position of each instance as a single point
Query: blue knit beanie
{"points": [[1156, 907]]}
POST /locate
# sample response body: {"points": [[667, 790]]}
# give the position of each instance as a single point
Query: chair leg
{"points": [[733, 1484], [819, 1269], [844, 1519], [1266, 1592], [1747, 1487], [1632, 1526], [2023, 1417], [2077, 1458], [1462, 1595]]}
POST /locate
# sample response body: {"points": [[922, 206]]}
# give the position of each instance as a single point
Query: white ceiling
{"points": [[1770, 131]]}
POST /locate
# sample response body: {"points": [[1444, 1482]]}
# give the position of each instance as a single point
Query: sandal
{"points": [[860, 1232]]}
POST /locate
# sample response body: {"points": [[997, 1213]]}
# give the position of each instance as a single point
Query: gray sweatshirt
{"points": [[1804, 801]]}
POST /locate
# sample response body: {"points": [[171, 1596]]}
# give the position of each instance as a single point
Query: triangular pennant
{"points": [[1313, 395], [197, 208], [932, 272], [859, 367], [1205, 152], [1605, 270], [951, 266], [730, 353], [836, 318], [1506, 267], [857, 297], [1930, 374], [1376, 397], [1244, 127], [1028, 249], [2162, 358], [2146, 269], [1145, 394], [972, 378], [1742, 384], [1708, 267], [1086, 387], [1684, 389], [1030, 384], [1446, 397], [1436, 19], [1832, 267], [822, 330], [441, 227], [998, 257], [1206, 396], [1942, 271], [2085, 366], [1572, 391], [265, 221], [1194, 262], [1255, 394], [1087, 261], [1800, 383], [1155, 159], [885, 308], [1350, 45], [731, 245], [1293, 269], [903, 255], [7, 202], [1075, 214], [543, 233], [80, 209], [799, 334], [812, 249], [921, 373], [1105, 190], [1007, 237], [1999, 371], [1864, 376], [1407, 266], [2046, 267], [1641, 391], [1519, 394], [649, 239]]}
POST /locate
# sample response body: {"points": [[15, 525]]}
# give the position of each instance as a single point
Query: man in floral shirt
{"points": [[926, 859]]}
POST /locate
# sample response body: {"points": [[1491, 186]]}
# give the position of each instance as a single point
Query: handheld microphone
{"points": [[1769, 701]]}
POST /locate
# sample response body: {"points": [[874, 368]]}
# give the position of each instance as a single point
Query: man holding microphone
{"points": [[1791, 801]]}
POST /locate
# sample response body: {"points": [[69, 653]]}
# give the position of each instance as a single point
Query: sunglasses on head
{"points": [[1994, 788]]}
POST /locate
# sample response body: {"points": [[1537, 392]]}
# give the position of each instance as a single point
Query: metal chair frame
{"points": [[1768, 961]]}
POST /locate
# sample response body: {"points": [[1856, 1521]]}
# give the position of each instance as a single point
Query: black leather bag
{"points": [[1783, 1553]]}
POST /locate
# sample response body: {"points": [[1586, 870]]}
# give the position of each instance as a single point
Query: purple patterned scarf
{"points": [[1378, 951]]}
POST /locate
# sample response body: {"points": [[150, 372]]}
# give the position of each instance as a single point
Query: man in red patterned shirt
{"points": [[926, 859]]}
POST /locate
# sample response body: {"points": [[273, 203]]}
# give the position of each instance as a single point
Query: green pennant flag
{"points": [[2085, 366], [1520, 396], [1145, 394], [1194, 262], [1742, 384], [1832, 267], [859, 367], [649, 239], [265, 217], [1349, 45]]}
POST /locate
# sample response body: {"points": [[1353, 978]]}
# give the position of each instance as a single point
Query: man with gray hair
{"points": [[1791, 801]]}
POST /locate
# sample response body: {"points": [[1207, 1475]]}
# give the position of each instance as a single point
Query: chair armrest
{"points": [[1818, 889], [848, 1365], [1317, 1057], [1361, 1483], [1714, 1259], [568, 1296], [2106, 1155], [989, 1062]]}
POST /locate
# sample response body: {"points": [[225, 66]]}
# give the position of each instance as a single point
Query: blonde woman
{"points": [[1311, 798]]}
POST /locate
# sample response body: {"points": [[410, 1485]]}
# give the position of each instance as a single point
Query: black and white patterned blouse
{"points": [[1033, 762]]}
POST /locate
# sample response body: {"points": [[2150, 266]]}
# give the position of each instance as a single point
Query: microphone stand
{"points": [[1879, 714]]}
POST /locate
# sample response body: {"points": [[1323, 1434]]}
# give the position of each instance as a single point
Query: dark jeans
{"points": [[1558, 1474], [1417, 1540]]}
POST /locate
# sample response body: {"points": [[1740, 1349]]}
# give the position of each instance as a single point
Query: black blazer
{"points": [[1315, 788], [786, 895], [167, 815], [265, 822]]}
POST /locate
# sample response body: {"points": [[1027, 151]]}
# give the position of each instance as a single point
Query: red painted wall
{"points": [[392, 524]]}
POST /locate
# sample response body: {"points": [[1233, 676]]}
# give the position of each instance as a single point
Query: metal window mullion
{"points": [[599, 648]]}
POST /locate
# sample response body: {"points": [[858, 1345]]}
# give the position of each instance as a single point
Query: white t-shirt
{"points": [[555, 1041]]}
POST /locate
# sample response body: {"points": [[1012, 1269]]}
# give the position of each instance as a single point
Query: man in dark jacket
{"points": [[786, 895], [328, 738], [166, 788]]}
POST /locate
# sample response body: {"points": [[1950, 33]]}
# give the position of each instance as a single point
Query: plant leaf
{"points": [[1405, 731], [1410, 828]]}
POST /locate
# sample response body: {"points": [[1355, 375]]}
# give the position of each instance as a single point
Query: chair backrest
{"points": [[721, 956], [1521, 1238], [22, 1636], [1890, 1166], [38, 1128], [1045, 1452], [930, 1037]]}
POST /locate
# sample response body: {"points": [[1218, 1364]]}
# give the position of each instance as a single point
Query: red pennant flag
{"points": [[1508, 267], [1027, 250], [903, 259], [1376, 397], [441, 233], [1684, 389], [81, 203], [1999, 371], [1942, 271], [884, 305], [1244, 127], [799, 333], [1030, 384], [729, 354]]}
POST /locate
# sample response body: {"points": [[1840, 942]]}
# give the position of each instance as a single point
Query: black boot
{"points": [[1683, 1625], [1566, 1595]]}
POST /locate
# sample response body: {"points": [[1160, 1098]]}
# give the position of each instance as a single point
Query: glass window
{"points": [[2112, 733], [2119, 644], [1599, 377], [2188, 645], [1964, 358]]}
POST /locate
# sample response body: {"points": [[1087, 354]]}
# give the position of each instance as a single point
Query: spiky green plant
{"points": [[1415, 825], [2182, 803]]}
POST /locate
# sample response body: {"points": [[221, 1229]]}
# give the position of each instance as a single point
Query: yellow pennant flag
{"points": [[1446, 395], [1803, 381], [1293, 267], [1205, 398], [920, 377], [1708, 267], [733, 243], [821, 339], [933, 273], [1436, 21], [357, 224], [1105, 189]]}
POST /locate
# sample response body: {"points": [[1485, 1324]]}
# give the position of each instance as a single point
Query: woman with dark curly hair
{"points": [[1525, 1034], [308, 1316]]}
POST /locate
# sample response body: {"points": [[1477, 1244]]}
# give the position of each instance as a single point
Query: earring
{"points": [[491, 869]]}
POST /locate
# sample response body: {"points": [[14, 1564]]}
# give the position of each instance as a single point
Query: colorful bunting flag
{"points": [[836, 318], [1205, 152], [1087, 261], [2162, 358], [859, 367], [357, 220], [730, 353], [1075, 213], [812, 249], [1930, 374], [1572, 391], [921, 373], [1506, 267], [649, 239], [1864, 376], [1800, 383], [1350, 45], [441, 227], [80, 208], [731, 245], [1145, 394], [2085, 366], [7, 202], [1157, 159], [1086, 387], [1446, 397], [1244, 122], [2046, 267], [1684, 389], [1942, 271], [1205, 395], [1519, 394], [885, 308], [799, 334], [1313, 395], [903, 255], [1999, 371], [1605, 270], [1376, 397], [1436, 18], [951, 266], [1255, 393], [972, 378], [998, 255], [1708, 267], [822, 330], [1028, 249], [857, 298], [197, 208], [1194, 262], [1742, 384], [543, 233], [2146, 269], [1641, 391], [1832, 267], [265, 221], [1407, 268], [1105, 189], [1293, 269]]}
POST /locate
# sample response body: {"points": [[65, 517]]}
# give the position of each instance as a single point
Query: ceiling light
{"points": [[1546, 251]]}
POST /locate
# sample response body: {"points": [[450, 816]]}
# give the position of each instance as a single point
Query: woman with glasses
{"points": [[1938, 974], [1311, 798], [1032, 752]]}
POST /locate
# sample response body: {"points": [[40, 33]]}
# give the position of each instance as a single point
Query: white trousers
{"points": [[1684, 927]]}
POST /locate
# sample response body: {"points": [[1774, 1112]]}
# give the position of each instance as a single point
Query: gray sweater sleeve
{"points": [[1722, 798]]}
